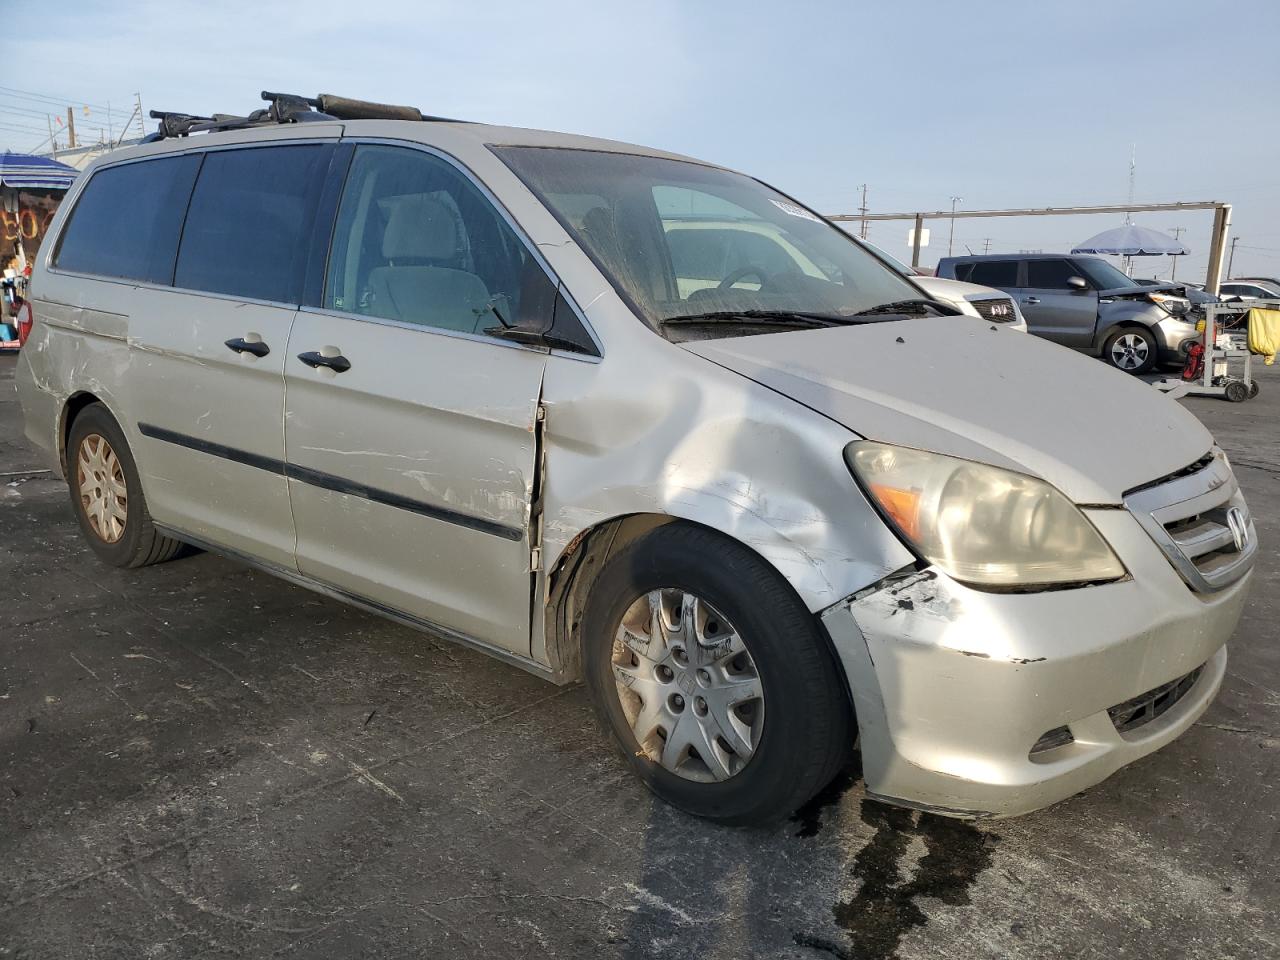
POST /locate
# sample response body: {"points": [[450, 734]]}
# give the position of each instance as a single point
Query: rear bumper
{"points": [[954, 687], [41, 415]]}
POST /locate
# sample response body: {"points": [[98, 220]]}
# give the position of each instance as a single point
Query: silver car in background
{"points": [[971, 299], [623, 417]]}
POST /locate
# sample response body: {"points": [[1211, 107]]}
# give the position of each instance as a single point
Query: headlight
{"points": [[1174, 306], [982, 525]]}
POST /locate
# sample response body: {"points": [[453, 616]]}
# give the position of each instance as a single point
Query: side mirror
{"points": [[544, 317], [1077, 283]]}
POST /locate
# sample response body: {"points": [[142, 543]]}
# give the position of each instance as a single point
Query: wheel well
{"points": [[74, 405], [569, 585], [1119, 326]]}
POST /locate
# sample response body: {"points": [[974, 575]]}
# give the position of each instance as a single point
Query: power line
{"points": [[24, 111], [45, 98]]}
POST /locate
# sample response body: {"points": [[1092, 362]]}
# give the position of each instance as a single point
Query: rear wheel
{"points": [[107, 495], [716, 681], [1132, 349]]}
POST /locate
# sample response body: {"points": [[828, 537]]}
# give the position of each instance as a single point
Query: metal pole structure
{"points": [[142, 125], [1231, 257], [71, 128], [1036, 211], [1177, 235], [952, 236], [915, 241], [53, 141], [1217, 245], [863, 210]]}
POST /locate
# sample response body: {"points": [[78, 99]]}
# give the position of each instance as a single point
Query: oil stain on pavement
{"points": [[885, 908]]}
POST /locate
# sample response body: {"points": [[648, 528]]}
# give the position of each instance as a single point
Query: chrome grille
{"points": [[997, 310], [1201, 522]]}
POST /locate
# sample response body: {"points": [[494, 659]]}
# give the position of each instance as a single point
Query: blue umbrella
{"points": [[25, 171], [1132, 241]]}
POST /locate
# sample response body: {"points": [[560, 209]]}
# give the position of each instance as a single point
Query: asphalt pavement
{"points": [[198, 760]]}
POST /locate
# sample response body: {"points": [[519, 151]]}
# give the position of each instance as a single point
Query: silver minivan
{"points": [[770, 512]]}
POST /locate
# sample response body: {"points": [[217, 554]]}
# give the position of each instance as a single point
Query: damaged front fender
{"points": [[703, 444]]}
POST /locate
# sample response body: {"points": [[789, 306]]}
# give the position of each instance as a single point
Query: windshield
{"points": [[1104, 275], [679, 239], [890, 259]]}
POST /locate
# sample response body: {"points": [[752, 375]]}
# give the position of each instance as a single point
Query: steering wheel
{"points": [[747, 271]]}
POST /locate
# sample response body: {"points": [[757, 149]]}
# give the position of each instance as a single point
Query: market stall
{"points": [[31, 187]]}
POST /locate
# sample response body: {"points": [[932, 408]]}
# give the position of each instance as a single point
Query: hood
{"points": [[972, 389]]}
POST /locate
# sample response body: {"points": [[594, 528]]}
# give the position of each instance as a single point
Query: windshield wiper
{"points": [[918, 305], [763, 317]]}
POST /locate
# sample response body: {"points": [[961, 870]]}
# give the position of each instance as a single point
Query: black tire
{"points": [[1253, 389], [1117, 356], [808, 731], [1237, 392], [140, 544]]}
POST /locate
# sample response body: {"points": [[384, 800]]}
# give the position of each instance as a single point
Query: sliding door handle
{"points": [[241, 345], [338, 364]]}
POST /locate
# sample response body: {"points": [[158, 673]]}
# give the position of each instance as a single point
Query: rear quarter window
{"points": [[127, 221], [989, 273]]}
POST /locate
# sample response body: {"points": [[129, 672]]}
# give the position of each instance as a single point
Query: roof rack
{"points": [[284, 108]]}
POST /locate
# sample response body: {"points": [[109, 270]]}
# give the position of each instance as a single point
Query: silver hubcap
{"points": [[688, 686], [104, 498], [1129, 352]]}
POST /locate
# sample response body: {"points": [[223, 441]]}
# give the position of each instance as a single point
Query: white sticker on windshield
{"points": [[795, 211]]}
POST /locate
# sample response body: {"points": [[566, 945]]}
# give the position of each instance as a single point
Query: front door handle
{"points": [[1030, 299], [241, 345], [338, 364]]}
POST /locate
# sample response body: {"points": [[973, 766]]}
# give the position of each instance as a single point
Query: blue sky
{"points": [[1005, 104]]}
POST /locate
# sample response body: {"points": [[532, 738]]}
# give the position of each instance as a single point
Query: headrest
{"points": [[420, 227]]}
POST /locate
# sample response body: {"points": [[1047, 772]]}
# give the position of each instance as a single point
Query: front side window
{"points": [[418, 242], [679, 239], [249, 225], [1050, 274], [1103, 275], [127, 221]]}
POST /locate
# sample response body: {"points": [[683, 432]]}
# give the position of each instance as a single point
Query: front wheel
{"points": [[716, 681], [1132, 349]]}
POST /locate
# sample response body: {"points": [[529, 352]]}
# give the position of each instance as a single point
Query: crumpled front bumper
{"points": [[954, 686]]}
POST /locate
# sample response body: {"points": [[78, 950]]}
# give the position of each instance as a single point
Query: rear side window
{"points": [[1050, 274], [989, 273], [249, 224], [128, 219]]}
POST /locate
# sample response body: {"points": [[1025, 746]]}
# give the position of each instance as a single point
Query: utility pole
{"points": [[71, 128], [951, 238], [1177, 235], [53, 141], [986, 245], [863, 210], [1231, 257]]}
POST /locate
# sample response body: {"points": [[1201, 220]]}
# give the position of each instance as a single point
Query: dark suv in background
{"points": [[1087, 304]]}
